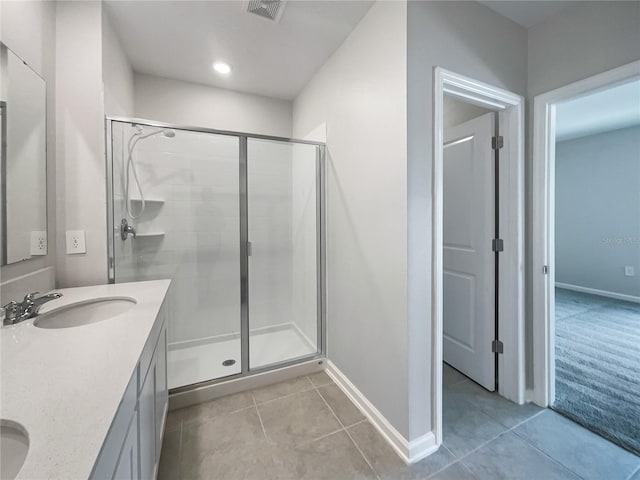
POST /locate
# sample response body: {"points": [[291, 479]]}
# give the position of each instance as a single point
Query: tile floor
{"points": [[306, 428]]}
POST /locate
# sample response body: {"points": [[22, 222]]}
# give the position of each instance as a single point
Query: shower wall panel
{"points": [[189, 231]]}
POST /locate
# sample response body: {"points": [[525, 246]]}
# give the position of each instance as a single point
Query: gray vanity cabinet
{"points": [[131, 450], [153, 409], [127, 467]]}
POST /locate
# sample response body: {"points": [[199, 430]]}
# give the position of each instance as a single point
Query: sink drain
{"points": [[228, 363]]}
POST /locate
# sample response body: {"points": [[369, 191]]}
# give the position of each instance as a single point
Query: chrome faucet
{"points": [[126, 229], [29, 307]]}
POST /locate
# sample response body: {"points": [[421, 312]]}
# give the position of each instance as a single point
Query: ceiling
{"points": [[527, 13], [602, 111], [181, 40]]}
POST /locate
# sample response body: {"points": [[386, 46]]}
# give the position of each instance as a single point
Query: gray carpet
{"points": [[598, 365]]}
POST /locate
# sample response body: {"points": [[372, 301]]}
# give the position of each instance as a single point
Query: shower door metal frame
{"points": [[243, 138]]}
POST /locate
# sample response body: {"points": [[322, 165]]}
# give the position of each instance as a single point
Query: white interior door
{"points": [[469, 276]]}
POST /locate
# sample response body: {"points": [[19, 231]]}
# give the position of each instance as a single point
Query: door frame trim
{"points": [[511, 279], [543, 238]]}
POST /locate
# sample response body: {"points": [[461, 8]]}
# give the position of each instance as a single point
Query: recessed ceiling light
{"points": [[222, 67]]}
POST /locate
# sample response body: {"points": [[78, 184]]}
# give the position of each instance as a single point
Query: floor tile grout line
{"points": [[495, 418], [341, 429], [637, 470], [554, 460], [457, 460], [321, 437], [264, 431], [375, 472], [208, 419], [329, 382], [447, 465], [349, 434], [528, 419], [466, 467], [287, 395], [460, 458]]}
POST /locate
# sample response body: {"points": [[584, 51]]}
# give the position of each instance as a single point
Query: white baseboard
{"points": [[409, 452], [601, 293]]}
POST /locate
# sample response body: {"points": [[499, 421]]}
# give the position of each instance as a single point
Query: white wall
{"points": [[598, 211], [470, 39], [80, 166], [185, 103], [361, 94], [28, 28], [583, 40], [456, 112], [117, 73]]}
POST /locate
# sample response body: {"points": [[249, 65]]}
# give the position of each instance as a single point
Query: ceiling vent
{"points": [[269, 9]]}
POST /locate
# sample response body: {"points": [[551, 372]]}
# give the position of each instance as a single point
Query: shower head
{"points": [[166, 132]]}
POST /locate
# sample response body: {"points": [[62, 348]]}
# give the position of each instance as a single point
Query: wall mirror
{"points": [[23, 165]]}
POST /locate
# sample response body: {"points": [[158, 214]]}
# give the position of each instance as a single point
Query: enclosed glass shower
{"points": [[236, 222]]}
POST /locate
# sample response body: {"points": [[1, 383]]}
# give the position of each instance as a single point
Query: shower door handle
{"points": [[126, 229]]}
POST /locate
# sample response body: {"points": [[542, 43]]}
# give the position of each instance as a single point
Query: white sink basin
{"points": [[14, 445], [85, 312]]}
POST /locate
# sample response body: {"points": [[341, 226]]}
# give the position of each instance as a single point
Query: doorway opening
{"points": [[478, 211], [587, 302], [474, 413], [470, 251]]}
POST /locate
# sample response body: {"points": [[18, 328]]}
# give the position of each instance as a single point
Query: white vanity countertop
{"points": [[64, 385]]}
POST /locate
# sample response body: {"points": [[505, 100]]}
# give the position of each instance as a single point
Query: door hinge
{"points": [[545, 269], [497, 245], [249, 249], [497, 346], [497, 142]]}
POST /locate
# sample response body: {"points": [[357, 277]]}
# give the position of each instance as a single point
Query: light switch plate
{"points": [[629, 271], [38, 244], [76, 242]]}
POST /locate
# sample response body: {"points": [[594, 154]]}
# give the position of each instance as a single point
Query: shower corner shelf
{"points": [[150, 235], [158, 201]]}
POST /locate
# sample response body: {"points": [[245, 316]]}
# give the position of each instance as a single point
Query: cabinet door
{"points": [[127, 467], [147, 424], [162, 395]]}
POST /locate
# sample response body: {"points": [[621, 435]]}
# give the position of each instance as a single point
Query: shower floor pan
{"points": [[202, 360]]}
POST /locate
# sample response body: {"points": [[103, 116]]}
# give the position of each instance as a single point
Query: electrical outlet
{"points": [[38, 244], [76, 242], [629, 271]]}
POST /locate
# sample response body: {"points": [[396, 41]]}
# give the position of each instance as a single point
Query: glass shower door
{"points": [[188, 232], [283, 251]]}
